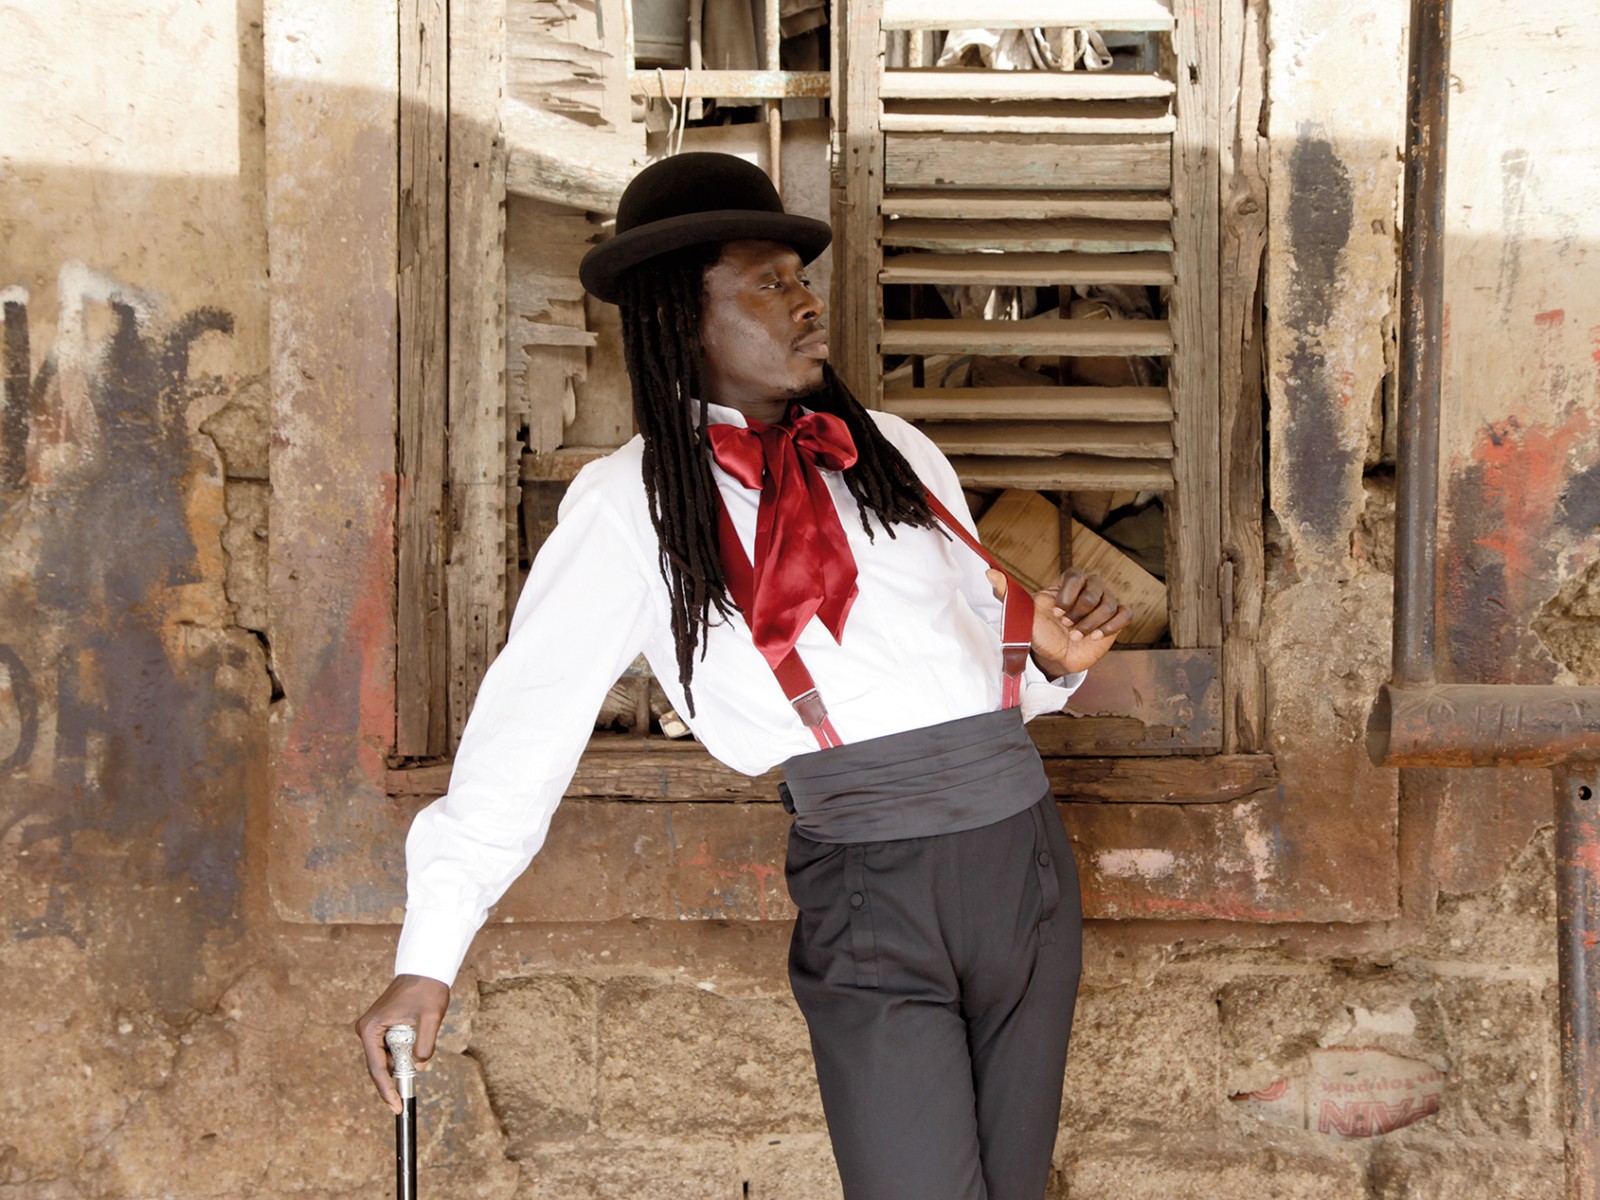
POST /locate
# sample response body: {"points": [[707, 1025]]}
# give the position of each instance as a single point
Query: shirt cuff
{"points": [[433, 944], [1041, 698]]}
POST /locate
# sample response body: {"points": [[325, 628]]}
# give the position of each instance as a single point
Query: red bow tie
{"points": [[802, 562]]}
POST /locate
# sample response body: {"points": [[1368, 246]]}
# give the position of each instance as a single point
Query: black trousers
{"points": [[938, 977]]}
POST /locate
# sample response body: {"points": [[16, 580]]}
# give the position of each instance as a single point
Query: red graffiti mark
{"points": [[1347, 388], [1549, 320], [760, 872], [1364, 1118], [1524, 469], [1594, 340], [1273, 1091]]}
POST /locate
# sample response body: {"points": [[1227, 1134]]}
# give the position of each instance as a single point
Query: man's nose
{"points": [[811, 305]]}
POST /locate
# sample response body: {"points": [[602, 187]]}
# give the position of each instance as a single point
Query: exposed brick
{"points": [[1210, 1169], [536, 1040], [1144, 1056], [1465, 1169], [676, 1170], [609, 859], [1512, 922], [792, 1167], [1500, 1043], [678, 1060]]}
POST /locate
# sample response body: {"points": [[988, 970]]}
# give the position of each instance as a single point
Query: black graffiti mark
{"points": [[23, 394], [25, 699]]}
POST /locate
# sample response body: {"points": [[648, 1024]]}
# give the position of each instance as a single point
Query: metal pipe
{"points": [[1484, 725], [1421, 341], [1577, 930]]}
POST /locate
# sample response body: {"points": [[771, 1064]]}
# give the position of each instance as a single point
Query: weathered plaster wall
{"points": [[171, 1036]]}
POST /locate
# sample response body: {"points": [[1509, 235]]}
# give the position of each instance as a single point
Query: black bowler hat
{"points": [[690, 200]]}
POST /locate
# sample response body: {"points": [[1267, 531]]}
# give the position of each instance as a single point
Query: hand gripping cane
{"points": [[402, 1041]]}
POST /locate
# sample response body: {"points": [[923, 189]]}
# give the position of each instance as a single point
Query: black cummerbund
{"points": [[962, 774]]}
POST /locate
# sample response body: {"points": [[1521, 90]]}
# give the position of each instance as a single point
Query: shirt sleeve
{"points": [[583, 616], [1039, 694]]}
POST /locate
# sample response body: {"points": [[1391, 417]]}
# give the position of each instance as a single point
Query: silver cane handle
{"points": [[402, 1043]]}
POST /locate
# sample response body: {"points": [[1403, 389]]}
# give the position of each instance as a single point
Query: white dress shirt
{"points": [[921, 646]]}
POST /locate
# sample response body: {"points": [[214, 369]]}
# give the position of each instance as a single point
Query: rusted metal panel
{"points": [[332, 171], [1158, 701]]}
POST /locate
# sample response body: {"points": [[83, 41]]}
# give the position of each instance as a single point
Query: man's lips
{"points": [[815, 346]]}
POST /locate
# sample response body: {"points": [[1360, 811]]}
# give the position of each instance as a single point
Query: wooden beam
{"points": [[1194, 561], [1038, 237], [729, 85], [858, 256], [1070, 472], [1243, 234], [480, 556], [1215, 779], [1075, 337], [421, 679], [1057, 161], [980, 205], [984, 84], [1148, 268], [1116, 118], [663, 770], [1029, 404], [1133, 16], [1034, 438]]}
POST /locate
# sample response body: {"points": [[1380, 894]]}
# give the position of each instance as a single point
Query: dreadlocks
{"points": [[660, 306]]}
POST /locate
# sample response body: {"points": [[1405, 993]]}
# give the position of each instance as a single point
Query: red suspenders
{"points": [[1016, 630]]}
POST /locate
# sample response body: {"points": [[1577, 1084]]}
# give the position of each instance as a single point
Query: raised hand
{"points": [[1075, 621]]}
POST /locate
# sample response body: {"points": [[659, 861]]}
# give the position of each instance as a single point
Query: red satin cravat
{"points": [[802, 562]]}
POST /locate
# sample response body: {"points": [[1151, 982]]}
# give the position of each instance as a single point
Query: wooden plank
{"points": [[1116, 119], [481, 551], [1194, 561], [1057, 161], [1144, 268], [1170, 699], [1065, 337], [976, 205], [729, 85], [1142, 592], [1214, 779], [1070, 472], [1150, 16], [578, 168], [538, 333], [421, 690], [1040, 237], [1243, 237], [1029, 404], [858, 256], [1022, 529], [559, 466], [984, 84], [622, 767], [1030, 439], [1094, 507]]}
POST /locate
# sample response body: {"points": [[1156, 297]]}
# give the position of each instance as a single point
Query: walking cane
{"points": [[402, 1041]]}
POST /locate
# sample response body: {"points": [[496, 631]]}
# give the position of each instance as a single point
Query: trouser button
{"points": [[1044, 858], [857, 899]]}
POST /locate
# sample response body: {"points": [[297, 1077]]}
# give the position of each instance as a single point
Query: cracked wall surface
{"points": [[171, 1036]]}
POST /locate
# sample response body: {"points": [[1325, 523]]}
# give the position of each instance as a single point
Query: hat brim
{"points": [[603, 267]]}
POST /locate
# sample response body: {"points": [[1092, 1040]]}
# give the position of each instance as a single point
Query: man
{"points": [[792, 566]]}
